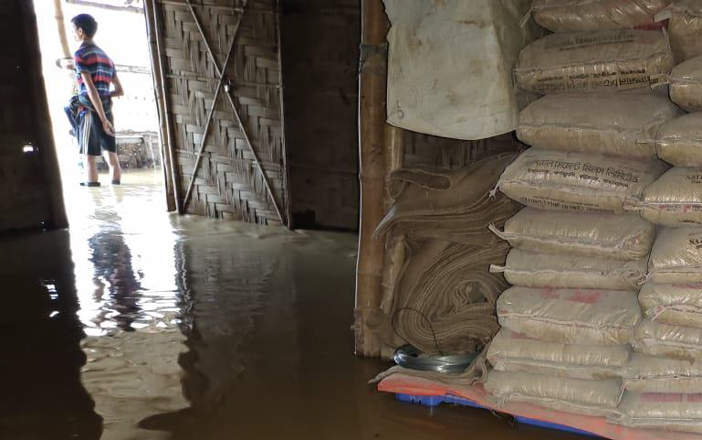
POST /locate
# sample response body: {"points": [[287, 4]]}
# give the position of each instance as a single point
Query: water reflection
{"points": [[114, 272], [141, 326], [131, 307], [123, 247]]}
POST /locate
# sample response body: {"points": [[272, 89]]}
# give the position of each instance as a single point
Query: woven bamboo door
{"points": [[222, 92]]}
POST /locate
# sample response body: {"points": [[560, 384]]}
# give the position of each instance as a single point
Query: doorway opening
{"points": [[122, 35]]}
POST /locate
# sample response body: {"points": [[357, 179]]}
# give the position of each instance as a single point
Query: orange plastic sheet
{"points": [[403, 384]]}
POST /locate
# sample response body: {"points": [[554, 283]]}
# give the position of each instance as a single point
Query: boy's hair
{"points": [[87, 23]]}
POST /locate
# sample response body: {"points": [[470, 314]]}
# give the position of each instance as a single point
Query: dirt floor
{"points": [[136, 324]]}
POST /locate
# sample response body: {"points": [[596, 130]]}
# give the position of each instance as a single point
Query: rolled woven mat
{"points": [[444, 300], [454, 206]]}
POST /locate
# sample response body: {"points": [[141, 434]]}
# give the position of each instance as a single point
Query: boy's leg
{"points": [[89, 143], [91, 174], [113, 161]]}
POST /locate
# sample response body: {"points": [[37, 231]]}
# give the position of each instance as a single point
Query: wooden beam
{"points": [[162, 113], [128, 68], [61, 27], [217, 7], [372, 91], [94, 4]]}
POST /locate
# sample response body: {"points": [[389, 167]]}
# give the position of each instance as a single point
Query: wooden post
{"points": [[286, 202], [170, 157], [394, 155], [372, 88], [61, 27], [160, 106]]}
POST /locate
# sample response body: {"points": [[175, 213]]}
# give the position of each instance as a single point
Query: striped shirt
{"points": [[93, 60]]}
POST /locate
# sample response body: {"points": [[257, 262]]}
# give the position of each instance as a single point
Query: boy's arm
{"points": [[97, 103], [118, 91]]}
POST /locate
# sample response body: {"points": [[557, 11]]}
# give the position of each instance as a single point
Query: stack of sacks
{"points": [[578, 258], [443, 301], [667, 365], [664, 377], [564, 348], [676, 199], [577, 269]]}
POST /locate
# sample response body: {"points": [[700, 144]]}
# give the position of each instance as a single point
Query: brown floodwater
{"points": [[137, 324]]}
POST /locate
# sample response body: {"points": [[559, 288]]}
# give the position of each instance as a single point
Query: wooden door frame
{"points": [[167, 137]]}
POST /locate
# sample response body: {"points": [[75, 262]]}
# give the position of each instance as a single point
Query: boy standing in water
{"points": [[95, 74]]}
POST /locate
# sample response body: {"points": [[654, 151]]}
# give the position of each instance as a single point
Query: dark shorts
{"points": [[92, 139]]}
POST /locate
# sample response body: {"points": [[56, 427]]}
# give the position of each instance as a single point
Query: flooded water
{"points": [[137, 324]]}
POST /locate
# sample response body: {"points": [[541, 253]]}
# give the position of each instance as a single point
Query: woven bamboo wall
{"points": [[444, 153], [228, 182], [30, 190], [320, 52]]}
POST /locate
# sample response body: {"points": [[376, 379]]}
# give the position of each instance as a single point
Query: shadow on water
{"points": [[42, 395]]}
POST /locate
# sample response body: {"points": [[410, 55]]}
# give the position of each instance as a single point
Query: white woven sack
{"points": [[673, 304], [510, 351], [679, 141], [570, 316], [578, 396], [621, 125], [686, 85], [590, 15], [624, 236], [672, 341], [535, 269], [685, 29], [650, 374], [591, 61], [562, 181], [661, 411], [676, 257], [675, 199]]}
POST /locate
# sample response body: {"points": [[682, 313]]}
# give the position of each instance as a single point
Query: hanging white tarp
{"points": [[450, 66]]}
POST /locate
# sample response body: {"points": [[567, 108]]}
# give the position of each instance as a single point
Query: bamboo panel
{"points": [[228, 182], [423, 150]]}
